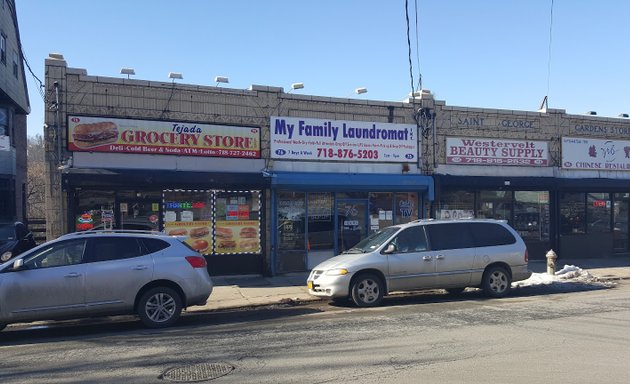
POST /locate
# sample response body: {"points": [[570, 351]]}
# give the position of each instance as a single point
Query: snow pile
{"points": [[569, 275]]}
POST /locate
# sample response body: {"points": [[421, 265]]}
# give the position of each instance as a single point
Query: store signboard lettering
{"points": [[481, 151], [100, 134], [597, 129], [296, 138], [595, 154], [455, 213]]}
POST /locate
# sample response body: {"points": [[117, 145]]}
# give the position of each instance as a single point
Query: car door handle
{"points": [[440, 257], [140, 267], [427, 258], [73, 274]]}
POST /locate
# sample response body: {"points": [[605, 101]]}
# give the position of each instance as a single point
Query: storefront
{"points": [[335, 182], [525, 202], [198, 186]]}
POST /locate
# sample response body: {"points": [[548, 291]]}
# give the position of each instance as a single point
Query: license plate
{"points": [[309, 284]]}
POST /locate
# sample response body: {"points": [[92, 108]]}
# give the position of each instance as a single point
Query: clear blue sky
{"points": [[473, 53]]}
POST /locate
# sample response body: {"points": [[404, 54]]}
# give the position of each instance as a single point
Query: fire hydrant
{"points": [[551, 262]]}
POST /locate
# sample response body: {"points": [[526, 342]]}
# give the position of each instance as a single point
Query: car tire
{"points": [[159, 307], [496, 282], [367, 290], [455, 291]]}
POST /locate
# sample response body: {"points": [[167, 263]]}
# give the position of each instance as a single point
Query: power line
{"points": [[409, 47]]}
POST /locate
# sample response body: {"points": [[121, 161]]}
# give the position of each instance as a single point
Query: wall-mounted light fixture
{"points": [[591, 113], [360, 90], [624, 115], [297, 86], [221, 79], [127, 71]]}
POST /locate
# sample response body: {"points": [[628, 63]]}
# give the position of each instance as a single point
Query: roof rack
{"points": [[105, 231]]}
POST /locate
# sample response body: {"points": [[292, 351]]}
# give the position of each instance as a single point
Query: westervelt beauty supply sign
{"points": [[102, 134], [595, 154], [296, 138], [480, 151]]}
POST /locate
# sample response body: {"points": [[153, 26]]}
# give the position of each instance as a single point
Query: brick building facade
{"points": [[265, 181]]}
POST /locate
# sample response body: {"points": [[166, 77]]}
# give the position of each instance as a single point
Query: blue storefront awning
{"points": [[352, 182]]}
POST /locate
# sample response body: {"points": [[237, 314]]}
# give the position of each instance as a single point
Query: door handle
{"points": [[440, 257], [427, 258], [140, 267], [73, 274]]}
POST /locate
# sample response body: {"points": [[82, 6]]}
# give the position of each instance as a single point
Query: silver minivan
{"points": [[425, 254]]}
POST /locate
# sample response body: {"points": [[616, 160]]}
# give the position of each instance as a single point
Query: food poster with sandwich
{"points": [[150, 137], [189, 213], [237, 224], [198, 233]]}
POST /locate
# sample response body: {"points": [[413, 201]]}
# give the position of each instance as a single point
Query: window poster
{"points": [[189, 214], [237, 222]]}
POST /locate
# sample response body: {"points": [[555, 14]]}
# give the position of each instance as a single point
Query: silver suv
{"points": [[98, 273], [425, 254]]}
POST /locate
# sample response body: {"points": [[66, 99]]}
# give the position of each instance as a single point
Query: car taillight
{"points": [[526, 256], [197, 261]]}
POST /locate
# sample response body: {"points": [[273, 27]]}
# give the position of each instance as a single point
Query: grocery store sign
{"points": [[100, 134], [595, 154], [296, 138], [480, 151]]}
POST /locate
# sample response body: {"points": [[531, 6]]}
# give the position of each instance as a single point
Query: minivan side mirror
{"points": [[391, 248]]}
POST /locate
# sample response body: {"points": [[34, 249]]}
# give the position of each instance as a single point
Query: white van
{"points": [[425, 254]]}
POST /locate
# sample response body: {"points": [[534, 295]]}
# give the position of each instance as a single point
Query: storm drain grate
{"points": [[197, 372]]}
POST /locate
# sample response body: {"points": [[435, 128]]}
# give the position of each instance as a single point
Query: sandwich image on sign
{"points": [[225, 238], [178, 232], [95, 134], [200, 245], [197, 233]]}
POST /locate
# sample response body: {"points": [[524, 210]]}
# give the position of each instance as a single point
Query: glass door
{"points": [[351, 222], [620, 228], [139, 215]]}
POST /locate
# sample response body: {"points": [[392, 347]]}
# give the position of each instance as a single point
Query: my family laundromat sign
{"points": [[296, 138]]}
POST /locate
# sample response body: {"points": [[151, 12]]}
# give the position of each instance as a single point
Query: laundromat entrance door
{"points": [[351, 222], [139, 215]]}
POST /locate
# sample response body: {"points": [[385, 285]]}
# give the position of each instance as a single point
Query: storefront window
{"points": [[189, 213], [381, 210], [456, 205], [406, 207], [95, 210], [320, 221], [598, 212], [531, 214], [237, 222], [572, 213], [495, 205], [620, 229], [291, 224]]}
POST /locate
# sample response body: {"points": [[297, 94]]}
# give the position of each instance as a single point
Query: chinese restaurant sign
{"points": [[480, 151], [595, 154], [99, 134], [296, 138]]}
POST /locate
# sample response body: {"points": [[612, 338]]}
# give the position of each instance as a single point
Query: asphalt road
{"points": [[538, 334]]}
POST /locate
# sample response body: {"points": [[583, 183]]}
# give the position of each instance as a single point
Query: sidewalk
{"points": [[232, 292]]}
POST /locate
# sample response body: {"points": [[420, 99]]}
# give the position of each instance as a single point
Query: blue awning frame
{"points": [[353, 182]]}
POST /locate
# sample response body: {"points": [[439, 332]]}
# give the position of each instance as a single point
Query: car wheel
{"points": [[159, 307], [455, 291], [496, 282], [367, 290]]}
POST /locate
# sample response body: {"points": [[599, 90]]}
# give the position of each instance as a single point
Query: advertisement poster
{"points": [[480, 151], [99, 134], [296, 138], [198, 233], [595, 154], [237, 236]]}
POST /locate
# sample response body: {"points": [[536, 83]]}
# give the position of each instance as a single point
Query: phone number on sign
{"points": [[347, 153]]}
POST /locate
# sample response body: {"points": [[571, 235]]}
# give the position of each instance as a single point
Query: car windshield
{"points": [[7, 232], [373, 241]]}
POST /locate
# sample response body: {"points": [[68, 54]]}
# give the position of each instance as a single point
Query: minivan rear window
{"points": [[489, 234]]}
